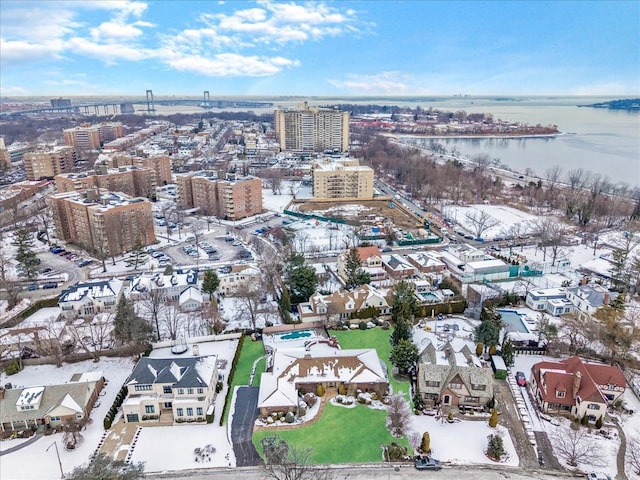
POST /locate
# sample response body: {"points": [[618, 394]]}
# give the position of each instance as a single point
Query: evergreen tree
{"points": [[137, 256], [507, 352], [25, 256], [404, 355], [401, 332], [301, 279], [493, 420], [210, 282], [285, 305], [128, 328], [487, 333], [355, 274], [404, 303], [495, 449]]}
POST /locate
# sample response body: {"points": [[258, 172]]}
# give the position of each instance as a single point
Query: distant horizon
{"points": [[331, 48]]}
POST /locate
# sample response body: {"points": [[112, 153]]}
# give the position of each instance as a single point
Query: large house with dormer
{"points": [[168, 390], [576, 388], [170, 288], [453, 377], [344, 304], [294, 370], [50, 405], [371, 260], [86, 299]]}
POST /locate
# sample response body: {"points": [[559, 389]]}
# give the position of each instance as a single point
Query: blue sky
{"points": [[95, 47]]}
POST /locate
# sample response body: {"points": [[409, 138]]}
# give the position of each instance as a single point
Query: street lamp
{"points": [[55, 444]]}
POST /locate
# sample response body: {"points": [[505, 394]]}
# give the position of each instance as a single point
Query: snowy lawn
{"points": [[500, 218], [463, 442], [13, 465], [340, 435], [379, 340], [172, 447]]}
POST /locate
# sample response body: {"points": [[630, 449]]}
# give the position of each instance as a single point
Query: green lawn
{"points": [[341, 435], [378, 339], [250, 352], [260, 368]]}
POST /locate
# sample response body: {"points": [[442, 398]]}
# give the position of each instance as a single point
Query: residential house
{"points": [[550, 300], [398, 267], [452, 376], [191, 299], [576, 388], [51, 405], [171, 389], [426, 262], [589, 298], [168, 287], [86, 299], [296, 370], [240, 275], [344, 304], [371, 260]]}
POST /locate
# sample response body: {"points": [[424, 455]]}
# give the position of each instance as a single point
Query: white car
{"points": [[598, 476]]}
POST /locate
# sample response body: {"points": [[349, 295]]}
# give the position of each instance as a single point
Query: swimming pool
{"points": [[514, 321], [295, 335], [430, 297]]}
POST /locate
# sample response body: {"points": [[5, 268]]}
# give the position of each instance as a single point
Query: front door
{"points": [[447, 400]]}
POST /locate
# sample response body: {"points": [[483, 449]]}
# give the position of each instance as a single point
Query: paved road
{"points": [[246, 412], [382, 472]]}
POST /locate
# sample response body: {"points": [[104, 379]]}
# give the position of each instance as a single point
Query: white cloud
{"points": [[117, 30], [230, 64], [18, 51], [11, 91], [383, 83], [107, 52]]}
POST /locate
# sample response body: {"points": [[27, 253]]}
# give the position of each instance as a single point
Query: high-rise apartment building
{"points": [[91, 137], [160, 166], [312, 129], [49, 163], [342, 179], [103, 222], [231, 199]]}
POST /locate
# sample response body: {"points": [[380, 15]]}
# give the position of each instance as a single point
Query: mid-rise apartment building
{"points": [[312, 129], [342, 179], [49, 163], [159, 165], [92, 136], [132, 181], [107, 223], [232, 199]]}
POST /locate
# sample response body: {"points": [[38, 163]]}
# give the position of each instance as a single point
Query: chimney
{"points": [[195, 350], [606, 298], [577, 377]]}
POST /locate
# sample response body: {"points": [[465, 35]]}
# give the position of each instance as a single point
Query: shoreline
{"points": [[473, 137]]}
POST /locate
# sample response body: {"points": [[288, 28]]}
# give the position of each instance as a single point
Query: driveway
{"points": [[245, 414]]}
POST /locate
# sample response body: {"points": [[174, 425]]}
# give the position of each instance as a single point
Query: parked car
{"points": [[427, 463], [45, 270], [521, 379], [386, 250], [50, 285], [32, 287], [598, 476], [57, 250]]}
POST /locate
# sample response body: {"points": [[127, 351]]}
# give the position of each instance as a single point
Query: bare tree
{"points": [[152, 304], [578, 445], [553, 235], [398, 415], [572, 329], [481, 221], [172, 319], [93, 335], [248, 295], [633, 451], [284, 462], [44, 218]]}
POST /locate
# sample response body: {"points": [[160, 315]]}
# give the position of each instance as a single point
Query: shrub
{"points": [[289, 417], [395, 452], [13, 367], [584, 420], [479, 349], [106, 423], [425, 446], [450, 417], [418, 403], [362, 325], [492, 350], [342, 390], [310, 399], [495, 448], [599, 422], [385, 325], [491, 403], [320, 390], [493, 420]]}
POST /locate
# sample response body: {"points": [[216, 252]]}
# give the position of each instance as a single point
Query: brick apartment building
{"points": [[104, 222], [49, 163], [91, 137]]}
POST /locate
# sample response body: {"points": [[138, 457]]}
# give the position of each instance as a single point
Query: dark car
{"points": [[386, 250], [50, 285], [521, 379], [427, 463], [32, 287]]}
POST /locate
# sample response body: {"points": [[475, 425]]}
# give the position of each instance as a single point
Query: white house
{"points": [[169, 390], [85, 299], [343, 303], [239, 275], [169, 287], [589, 298], [190, 299], [550, 300]]}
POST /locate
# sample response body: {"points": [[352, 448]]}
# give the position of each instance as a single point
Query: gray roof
{"points": [[593, 295], [179, 372]]}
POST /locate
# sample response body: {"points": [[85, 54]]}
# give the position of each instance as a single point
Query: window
{"points": [[142, 388], [593, 406], [560, 394], [181, 391], [455, 386], [166, 389], [55, 419], [432, 383], [478, 387], [190, 391], [199, 411], [472, 399], [180, 412], [189, 412], [149, 409], [200, 390]]}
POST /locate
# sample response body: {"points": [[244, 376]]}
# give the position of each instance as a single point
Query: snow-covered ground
{"points": [[32, 462], [463, 442], [501, 218], [317, 236]]}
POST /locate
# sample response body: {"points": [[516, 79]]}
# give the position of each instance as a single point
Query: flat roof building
{"points": [[49, 163], [342, 179]]}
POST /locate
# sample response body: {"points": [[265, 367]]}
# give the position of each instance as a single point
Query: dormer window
{"points": [[560, 394]]}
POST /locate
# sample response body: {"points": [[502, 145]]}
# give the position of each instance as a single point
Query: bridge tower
{"points": [[151, 107], [206, 100]]}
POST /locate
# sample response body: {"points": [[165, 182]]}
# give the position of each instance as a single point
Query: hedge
{"points": [[117, 403], [232, 372], [446, 308]]}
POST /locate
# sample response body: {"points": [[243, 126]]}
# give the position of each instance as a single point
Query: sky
{"points": [[330, 48]]}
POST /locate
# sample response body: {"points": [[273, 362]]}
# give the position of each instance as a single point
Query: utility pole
{"points": [[55, 444]]}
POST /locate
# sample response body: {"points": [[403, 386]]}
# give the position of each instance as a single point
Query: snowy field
{"points": [[463, 442], [500, 218], [20, 464], [315, 236]]}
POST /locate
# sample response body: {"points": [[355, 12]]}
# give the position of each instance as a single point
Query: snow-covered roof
{"points": [[179, 372], [93, 290], [191, 294]]}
